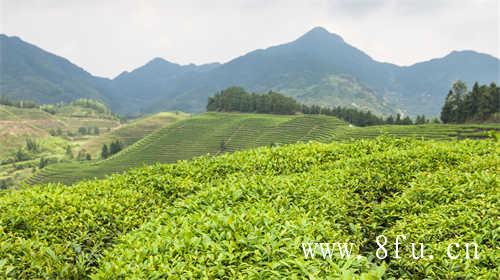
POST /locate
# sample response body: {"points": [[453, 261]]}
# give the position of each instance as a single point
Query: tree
{"points": [[406, 121], [447, 114], [222, 146], [420, 120], [459, 89], [398, 119], [237, 99], [43, 162], [480, 104], [69, 152], [21, 155], [104, 151], [115, 147], [32, 145], [81, 155]]}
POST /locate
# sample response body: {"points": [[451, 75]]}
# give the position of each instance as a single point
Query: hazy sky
{"points": [[107, 37]]}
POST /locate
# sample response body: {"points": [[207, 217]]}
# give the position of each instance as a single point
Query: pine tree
{"points": [[104, 151], [69, 152]]}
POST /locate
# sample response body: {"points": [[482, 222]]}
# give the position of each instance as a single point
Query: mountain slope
{"points": [[210, 133], [317, 68], [423, 86], [321, 68], [28, 72], [317, 59]]}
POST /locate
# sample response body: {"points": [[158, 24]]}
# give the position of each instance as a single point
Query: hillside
{"points": [[53, 133], [210, 133], [30, 73], [215, 133], [245, 215], [17, 124], [131, 132], [316, 68]]}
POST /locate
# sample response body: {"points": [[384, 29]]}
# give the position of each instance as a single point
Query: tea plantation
{"points": [[216, 133], [246, 214]]}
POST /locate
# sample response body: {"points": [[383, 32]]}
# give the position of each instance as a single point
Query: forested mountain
{"points": [[28, 72], [318, 68]]}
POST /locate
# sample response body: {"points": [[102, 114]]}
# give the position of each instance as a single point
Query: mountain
{"points": [[321, 68], [317, 68], [422, 87], [28, 72]]}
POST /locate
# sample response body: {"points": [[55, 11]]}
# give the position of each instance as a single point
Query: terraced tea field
{"points": [[215, 133], [211, 133], [426, 131], [244, 215], [131, 132]]}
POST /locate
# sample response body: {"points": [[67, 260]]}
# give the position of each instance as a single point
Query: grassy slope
{"points": [[131, 132], [244, 215], [213, 133], [16, 125], [210, 133]]}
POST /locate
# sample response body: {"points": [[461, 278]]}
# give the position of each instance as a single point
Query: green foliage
{"points": [[115, 147], [92, 130], [236, 99], [92, 104], [69, 152], [5, 100], [49, 108], [32, 145], [478, 105], [104, 151], [203, 134], [6, 183], [83, 155], [354, 116], [244, 215], [43, 162], [21, 155]]}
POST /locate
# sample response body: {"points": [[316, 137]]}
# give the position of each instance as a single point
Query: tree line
{"points": [[236, 99], [5, 100], [114, 148], [478, 105]]}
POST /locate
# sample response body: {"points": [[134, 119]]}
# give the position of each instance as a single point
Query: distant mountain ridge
{"points": [[317, 68]]}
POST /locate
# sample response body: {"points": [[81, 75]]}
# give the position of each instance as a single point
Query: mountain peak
{"points": [[319, 29], [319, 32], [160, 61]]}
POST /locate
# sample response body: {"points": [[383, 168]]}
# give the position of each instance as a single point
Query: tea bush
{"points": [[245, 215]]}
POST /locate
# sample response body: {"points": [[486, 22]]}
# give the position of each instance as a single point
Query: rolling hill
{"points": [[317, 68], [17, 124], [131, 132], [210, 133], [55, 132], [216, 133], [246, 214]]}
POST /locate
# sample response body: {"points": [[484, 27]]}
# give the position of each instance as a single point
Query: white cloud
{"points": [[107, 37]]}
